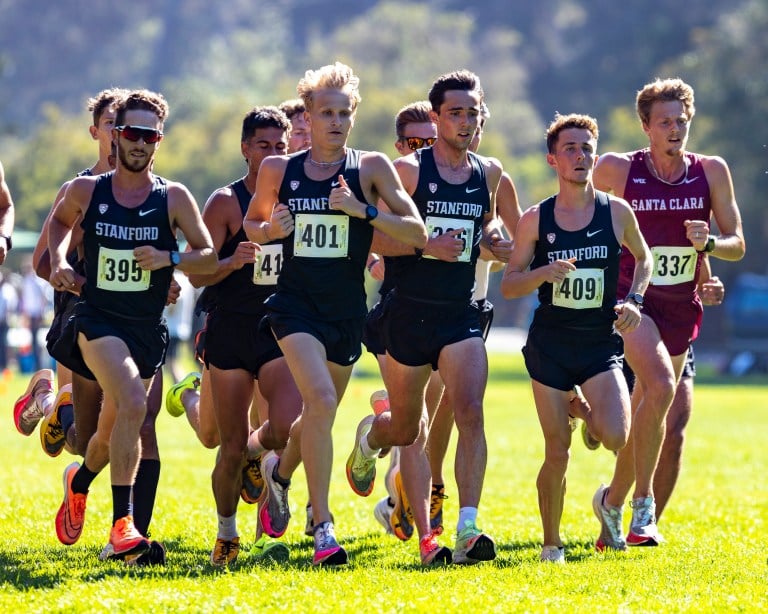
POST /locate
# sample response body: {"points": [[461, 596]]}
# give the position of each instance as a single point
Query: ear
{"points": [[402, 148], [551, 160], [433, 117], [94, 132]]}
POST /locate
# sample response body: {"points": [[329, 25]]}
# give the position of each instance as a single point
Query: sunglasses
{"points": [[134, 133], [416, 142]]}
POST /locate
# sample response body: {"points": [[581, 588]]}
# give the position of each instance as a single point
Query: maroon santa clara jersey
{"points": [[661, 210]]}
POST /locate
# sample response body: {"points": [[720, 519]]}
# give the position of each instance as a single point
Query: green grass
{"points": [[714, 559]]}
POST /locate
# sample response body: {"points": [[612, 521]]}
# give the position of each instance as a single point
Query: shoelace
{"points": [[254, 470], [645, 515], [325, 536]]}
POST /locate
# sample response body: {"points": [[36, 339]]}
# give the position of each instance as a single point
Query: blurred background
{"points": [[214, 61]]}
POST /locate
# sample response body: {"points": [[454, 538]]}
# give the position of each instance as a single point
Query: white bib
{"points": [[437, 226], [321, 236], [268, 263], [673, 265], [581, 289], [118, 271]]}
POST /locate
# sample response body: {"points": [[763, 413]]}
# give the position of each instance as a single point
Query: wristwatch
{"points": [[636, 298], [371, 213], [175, 258], [709, 246]]}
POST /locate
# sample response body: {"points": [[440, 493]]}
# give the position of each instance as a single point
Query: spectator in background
{"points": [[33, 304], [8, 303], [6, 216]]}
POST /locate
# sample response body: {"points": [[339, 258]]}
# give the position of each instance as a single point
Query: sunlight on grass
{"points": [[714, 558]]}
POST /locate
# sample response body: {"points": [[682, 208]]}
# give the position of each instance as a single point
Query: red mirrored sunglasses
{"points": [[134, 133]]}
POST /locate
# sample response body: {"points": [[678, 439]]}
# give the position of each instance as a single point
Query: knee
{"points": [[556, 458], [407, 434], [469, 416], [210, 439], [615, 440]]}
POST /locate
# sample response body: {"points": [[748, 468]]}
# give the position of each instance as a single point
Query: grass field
{"points": [[714, 559]]}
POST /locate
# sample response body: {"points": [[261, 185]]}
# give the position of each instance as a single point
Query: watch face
{"points": [[371, 212]]}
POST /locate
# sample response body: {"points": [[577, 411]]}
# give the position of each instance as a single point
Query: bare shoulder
{"points": [[611, 171], [714, 166], [619, 206]]}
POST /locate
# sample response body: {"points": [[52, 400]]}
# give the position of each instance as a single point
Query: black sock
{"points": [[144, 491], [81, 482], [66, 417], [121, 502], [276, 477]]}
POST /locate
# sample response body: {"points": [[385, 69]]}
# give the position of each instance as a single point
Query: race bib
{"points": [[118, 271], [268, 263], [437, 226], [673, 265], [581, 289], [321, 236]]}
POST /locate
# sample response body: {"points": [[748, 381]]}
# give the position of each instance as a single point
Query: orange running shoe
{"points": [[125, 539], [71, 514]]}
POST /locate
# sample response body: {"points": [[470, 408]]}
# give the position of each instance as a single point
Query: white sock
{"points": [[227, 527], [367, 450], [467, 514], [255, 446]]}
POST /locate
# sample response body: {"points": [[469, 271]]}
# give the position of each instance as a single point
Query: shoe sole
{"points": [[444, 556], [482, 550], [350, 461], [264, 515], [337, 557], [402, 529], [54, 447], [18, 406], [275, 552], [64, 536], [245, 495], [637, 540]]}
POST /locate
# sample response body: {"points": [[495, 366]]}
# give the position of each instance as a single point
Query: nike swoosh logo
{"points": [[691, 180], [472, 190], [593, 233], [334, 184], [143, 213], [474, 330]]}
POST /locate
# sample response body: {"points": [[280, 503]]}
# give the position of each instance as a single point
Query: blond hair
{"points": [[335, 76], [664, 90]]}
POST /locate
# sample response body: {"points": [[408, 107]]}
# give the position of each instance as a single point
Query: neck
{"points": [[450, 157], [575, 195], [669, 168], [326, 157]]}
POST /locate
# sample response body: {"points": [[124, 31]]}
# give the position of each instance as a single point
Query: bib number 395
{"points": [[118, 271]]}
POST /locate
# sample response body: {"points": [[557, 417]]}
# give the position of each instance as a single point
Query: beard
{"points": [[130, 164]]}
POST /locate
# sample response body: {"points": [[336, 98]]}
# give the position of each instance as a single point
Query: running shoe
{"points": [[473, 546], [173, 403], [225, 552], [380, 402], [309, 527], [643, 530], [433, 553], [327, 549], [392, 470], [125, 538], [610, 522], [52, 435], [275, 513], [156, 555], [26, 411], [589, 441], [383, 514], [361, 471], [402, 517], [436, 507], [553, 554], [253, 482], [71, 514], [266, 549]]}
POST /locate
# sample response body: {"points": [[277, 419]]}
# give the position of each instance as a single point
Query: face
{"points": [[421, 130], [136, 156], [300, 138], [331, 118], [667, 127], [477, 139], [103, 132], [575, 155], [264, 142], [458, 118]]}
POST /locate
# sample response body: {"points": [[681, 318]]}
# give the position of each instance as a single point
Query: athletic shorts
{"points": [[340, 338], [415, 331], [562, 359], [147, 341], [689, 370], [63, 307], [237, 341], [678, 321], [372, 338]]}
